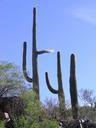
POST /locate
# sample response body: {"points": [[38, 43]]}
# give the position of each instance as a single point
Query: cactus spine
{"points": [[60, 91], [73, 88], [35, 53]]}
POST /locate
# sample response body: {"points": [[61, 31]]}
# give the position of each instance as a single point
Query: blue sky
{"points": [[68, 26]]}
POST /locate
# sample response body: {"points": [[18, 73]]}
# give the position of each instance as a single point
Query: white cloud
{"points": [[85, 13]]}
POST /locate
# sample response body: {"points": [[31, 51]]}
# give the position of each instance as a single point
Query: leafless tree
{"points": [[88, 97]]}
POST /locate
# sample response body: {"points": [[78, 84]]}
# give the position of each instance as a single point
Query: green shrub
{"points": [[34, 116], [2, 124]]}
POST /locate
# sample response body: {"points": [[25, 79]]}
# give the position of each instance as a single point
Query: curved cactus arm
{"points": [[24, 63], [49, 86]]}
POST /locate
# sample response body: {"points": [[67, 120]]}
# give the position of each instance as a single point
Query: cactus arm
{"points": [[42, 52], [73, 88], [49, 86], [24, 63]]}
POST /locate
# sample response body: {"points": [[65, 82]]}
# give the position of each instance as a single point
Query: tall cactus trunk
{"points": [[73, 88], [61, 96], [60, 91], [34, 59], [35, 79]]}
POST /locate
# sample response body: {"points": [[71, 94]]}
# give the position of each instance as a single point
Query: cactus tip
{"points": [[58, 54], [24, 44], [72, 55], [34, 10]]}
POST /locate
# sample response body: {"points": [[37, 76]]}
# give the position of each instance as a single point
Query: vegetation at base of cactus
{"points": [[60, 91], [73, 87], [2, 124], [34, 116]]}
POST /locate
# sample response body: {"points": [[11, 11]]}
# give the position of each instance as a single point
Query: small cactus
{"points": [[60, 91], [73, 88]]}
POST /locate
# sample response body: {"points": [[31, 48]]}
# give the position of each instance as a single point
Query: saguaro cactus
{"points": [[60, 91], [35, 53], [73, 87]]}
